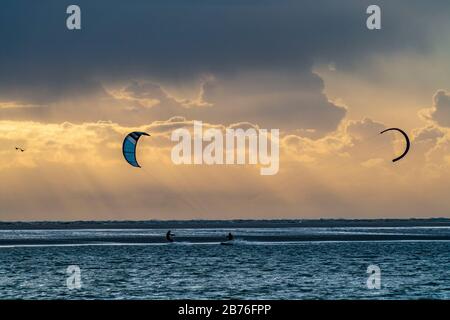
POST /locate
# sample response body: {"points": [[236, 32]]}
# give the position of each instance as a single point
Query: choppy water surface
{"points": [[246, 270]]}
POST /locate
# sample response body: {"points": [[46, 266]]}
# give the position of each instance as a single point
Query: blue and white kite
{"points": [[129, 147]]}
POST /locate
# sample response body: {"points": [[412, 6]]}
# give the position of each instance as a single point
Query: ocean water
{"points": [[138, 264]]}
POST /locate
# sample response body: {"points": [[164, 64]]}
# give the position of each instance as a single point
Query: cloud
{"points": [[429, 133], [262, 64], [175, 40], [286, 102], [356, 141], [273, 100], [432, 146], [69, 171], [363, 129], [81, 168], [440, 112]]}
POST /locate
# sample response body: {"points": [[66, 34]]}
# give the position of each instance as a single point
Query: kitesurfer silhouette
{"points": [[169, 236], [230, 237]]}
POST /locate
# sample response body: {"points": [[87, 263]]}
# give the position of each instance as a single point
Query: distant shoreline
{"points": [[205, 240], [224, 224]]}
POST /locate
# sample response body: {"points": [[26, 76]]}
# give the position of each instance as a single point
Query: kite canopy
{"points": [[129, 147], [408, 143]]}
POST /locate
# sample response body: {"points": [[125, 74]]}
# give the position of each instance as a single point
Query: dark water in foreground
{"points": [[412, 269]]}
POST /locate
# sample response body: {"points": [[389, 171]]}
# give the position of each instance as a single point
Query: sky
{"points": [[309, 68]]}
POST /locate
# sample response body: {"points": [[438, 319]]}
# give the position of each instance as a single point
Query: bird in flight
{"points": [[20, 149]]}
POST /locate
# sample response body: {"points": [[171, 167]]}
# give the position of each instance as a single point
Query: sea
{"points": [[287, 259]]}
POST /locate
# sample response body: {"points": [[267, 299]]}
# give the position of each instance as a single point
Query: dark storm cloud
{"points": [[271, 44], [178, 39]]}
